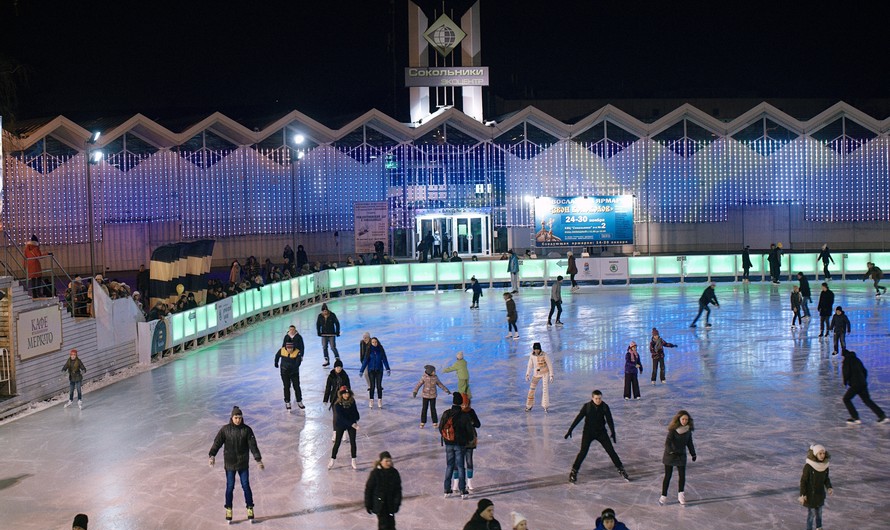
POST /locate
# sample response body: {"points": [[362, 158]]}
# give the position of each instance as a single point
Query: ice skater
{"points": [[796, 301], [572, 270], [466, 409], [75, 368], [539, 369], [477, 293], [707, 297], [512, 317], [826, 303], [746, 263], [240, 443], [555, 301], [364, 346], [375, 362], [656, 348], [596, 414], [456, 431], [875, 273], [633, 366], [483, 517], [463, 374], [429, 381], [337, 379], [346, 418], [290, 357], [814, 482], [291, 336], [678, 440], [840, 325], [856, 379], [805, 294], [328, 327], [513, 269], [383, 492], [825, 256]]}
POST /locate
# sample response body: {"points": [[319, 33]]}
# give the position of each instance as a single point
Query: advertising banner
{"points": [[588, 269], [613, 268], [371, 225], [224, 314], [447, 76], [39, 332], [584, 221]]}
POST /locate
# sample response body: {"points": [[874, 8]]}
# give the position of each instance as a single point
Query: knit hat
{"points": [[339, 363], [236, 411], [815, 448], [516, 518], [384, 454], [483, 504], [457, 399], [536, 346], [34, 239], [80, 521], [429, 369], [655, 331], [608, 513], [344, 389]]}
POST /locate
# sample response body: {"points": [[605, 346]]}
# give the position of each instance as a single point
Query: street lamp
{"points": [[297, 154], [93, 156]]}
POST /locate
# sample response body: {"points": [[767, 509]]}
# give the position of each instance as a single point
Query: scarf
{"points": [[682, 429], [817, 465]]}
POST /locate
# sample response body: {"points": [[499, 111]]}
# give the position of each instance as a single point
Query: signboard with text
{"points": [[446, 76], [39, 332], [371, 225], [584, 221]]}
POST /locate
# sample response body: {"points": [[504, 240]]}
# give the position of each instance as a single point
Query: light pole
{"points": [[93, 157], [296, 155]]}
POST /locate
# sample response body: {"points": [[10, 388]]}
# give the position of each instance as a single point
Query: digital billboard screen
{"points": [[584, 221]]}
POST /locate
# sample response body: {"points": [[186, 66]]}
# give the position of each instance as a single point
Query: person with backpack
{"points": [[456, 430]]}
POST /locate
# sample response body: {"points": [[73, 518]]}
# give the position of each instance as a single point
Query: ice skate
{"points": [[79, 404], [707, 326], [470, 484], [509, 336], [623, 473], [464, 495], [559, 323], [300, 404], [573, 476], [229, 514], [515, 335], [528, 409], [69, 404], [380, 403], [885, 419], [664, 381], [326, 363], [653, 383], [287, 406], [250, 513], [422, 424], [682, 498], [692, 326], [549, 323], [334, 436], [371, 403], [662, 500], [854, 421], [331, 463], [354, 464]]}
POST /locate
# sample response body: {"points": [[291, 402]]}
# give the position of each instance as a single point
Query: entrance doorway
{"points": [[468, 234]]}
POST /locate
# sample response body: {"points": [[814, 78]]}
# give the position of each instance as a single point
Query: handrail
{"points": [[5, 373], [23, 271]]}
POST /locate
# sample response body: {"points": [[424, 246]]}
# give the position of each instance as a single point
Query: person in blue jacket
{"points": [[375, 362], [477, 293], [607, 521]]}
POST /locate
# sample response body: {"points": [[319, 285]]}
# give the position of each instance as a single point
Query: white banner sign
{"points": [[371, 224], [224, 316], [39, 332], [601, 269], [588, 269]]}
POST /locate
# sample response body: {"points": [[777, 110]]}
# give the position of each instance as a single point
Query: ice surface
{"points": [[135, 457]]}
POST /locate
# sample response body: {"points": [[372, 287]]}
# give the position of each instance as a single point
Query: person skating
{"points": [[814, 482], [290, 357], [555, 301], [607, 521], [328, 327], [375, 362], [239, 443], [483, 517], [746, 263], [775, 262], [364, 346], [512, 317], [463, 374], [383, 492], [805, 294], [337, 379], [518, 521], [855, 377], [826, 303], [825, 256], [596, 415], [633, 366], [796, 301], [477, 293], [572, 270], [466, 408], [346, 418], [539, 369], [656, 348], [678, 440], [429, 381], [513, 269], [840, 325], [875, 273], [456, 431], [75, 368], [707, 297], [293, 336]]}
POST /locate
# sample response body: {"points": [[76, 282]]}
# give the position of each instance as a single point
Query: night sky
{"points": [[336, 59]]}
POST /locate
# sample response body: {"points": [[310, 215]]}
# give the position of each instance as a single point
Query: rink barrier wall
{"points": [[188, 329]]}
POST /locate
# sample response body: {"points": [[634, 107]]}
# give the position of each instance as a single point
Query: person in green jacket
{"points": [[463, 375]]}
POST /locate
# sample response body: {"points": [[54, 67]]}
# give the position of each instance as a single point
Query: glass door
{"points": [[463, 235]]}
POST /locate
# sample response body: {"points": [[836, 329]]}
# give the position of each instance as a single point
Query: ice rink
{"points": [[135, 457]]}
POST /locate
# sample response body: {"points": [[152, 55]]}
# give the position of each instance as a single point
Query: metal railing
{"points": [[46, 284], [5, 370]]}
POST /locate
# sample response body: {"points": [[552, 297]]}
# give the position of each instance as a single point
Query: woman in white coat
{"points": [[539, 369]]}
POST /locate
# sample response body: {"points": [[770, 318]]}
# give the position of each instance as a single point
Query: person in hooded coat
{"points": [[429, 381], [383, 492], [239, 443], [814, 482]]}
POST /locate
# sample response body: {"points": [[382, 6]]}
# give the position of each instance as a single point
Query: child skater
{"points": [[679, 438], [512, 317], [539, 370], [429, 380], [463, 375], [633, 365], [477, 293], [656, 347], [813, 483]]}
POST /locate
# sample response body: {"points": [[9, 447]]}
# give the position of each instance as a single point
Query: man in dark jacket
{"points": [[806, 296], [337, 379], [825, 256], [840, 324], [746, 263], [456, 431], [328, 327], [707, 297], [826, 302], [596, 414], [290, 357], [775, 262], [383, 492], [240, 442], [856, 378], [875, 273]]}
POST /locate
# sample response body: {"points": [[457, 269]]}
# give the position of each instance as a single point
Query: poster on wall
{"points": [[371, 225], [584, 221], [39, 332], [224, 315]]}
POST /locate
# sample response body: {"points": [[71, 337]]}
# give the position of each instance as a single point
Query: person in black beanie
{"points": [[240, 442], [855, 377], [80, 522], [483, 517], [383, 492], [456, 431], [596, 414]]}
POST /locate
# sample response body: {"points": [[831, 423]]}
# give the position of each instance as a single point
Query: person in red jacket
{"points": [[36, 283]]}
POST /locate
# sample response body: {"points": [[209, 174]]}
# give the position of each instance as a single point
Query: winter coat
{"points": [[478, 523], [290, 361], [746, 260], [32, 250], [675, 447], [840, 323], [477, 288], [238, 439], [345, 414], [775, 257], [328, 327], [334, 383], [708, 297], [375, 360], [632, 362], [512, 316], [474, 424], [459, 366], [826, 303], [463, 425], [573, 267], [75, 369], [825, 256], [657, 346], [296, 340], [595, 419], [363, 349], [513, 264], [874, 272], [556, 292], [796, 301], [814, 480], [235, 273], [854, 373], [539, 365], [302, 258], [618, 525], [383, 491], [805, 288], [430, 382]]}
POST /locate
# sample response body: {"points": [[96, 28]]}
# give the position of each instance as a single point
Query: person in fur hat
{"points": [[429, 381], [518, 521], [240, 442], [814, 482], [483, 517]]}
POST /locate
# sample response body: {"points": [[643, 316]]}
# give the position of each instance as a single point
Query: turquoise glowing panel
{"points": [[211, 316], [480, 269], [881, 259], [666, 266], [423, 273], [266, 296], [532, 268], [248, 302], [276, 293], [641, 266], [499, 270], [450, 272], [177, 322], [786, 263], [335, 279], [257, 299], [295, 289], [722, 265], [697, 265], [556, 267], [304, 287], [350, 277], [311, 285], [243, 303], [201, 319], [237, 302], [190, 324], [370, 275], [396, 274], [756, 263], [805, 263], [856, 262]]}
